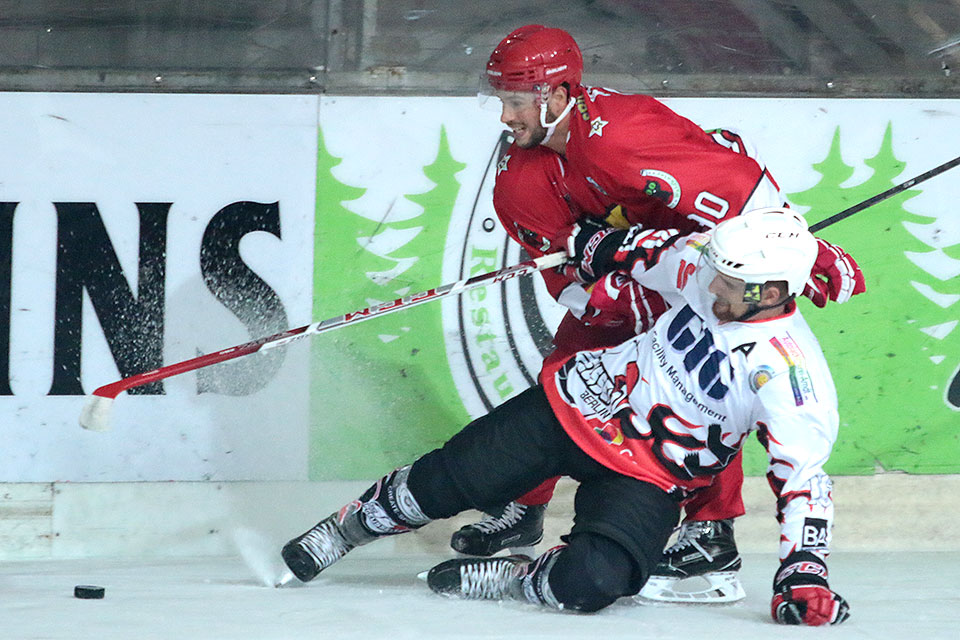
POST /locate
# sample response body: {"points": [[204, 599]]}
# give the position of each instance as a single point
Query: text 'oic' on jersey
{"points": [[700, 352]]}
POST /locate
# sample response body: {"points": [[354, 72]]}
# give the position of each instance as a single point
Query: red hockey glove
{"points": [[617, 300], [801, 594], [835, 276]]}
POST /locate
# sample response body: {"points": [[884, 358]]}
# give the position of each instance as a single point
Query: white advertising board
{"points": [[222, 188], [196, 174]]}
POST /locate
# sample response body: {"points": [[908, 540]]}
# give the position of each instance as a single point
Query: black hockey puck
{"points": [[88, 592]]}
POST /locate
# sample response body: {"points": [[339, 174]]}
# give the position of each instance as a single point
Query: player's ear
{"points": [[558, 99], [774, 292]]}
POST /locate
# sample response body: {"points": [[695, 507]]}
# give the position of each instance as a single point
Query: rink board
{"points": [[274, 211], [891, 512]]}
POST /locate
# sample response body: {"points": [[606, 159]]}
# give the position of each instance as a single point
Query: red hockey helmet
{"points": [[535, 58]]}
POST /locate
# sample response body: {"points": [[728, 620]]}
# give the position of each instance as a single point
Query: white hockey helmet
{"points": [[764, 245]]}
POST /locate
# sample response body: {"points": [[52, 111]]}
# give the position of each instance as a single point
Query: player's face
{"points": [[729, 304], [521, 112]]}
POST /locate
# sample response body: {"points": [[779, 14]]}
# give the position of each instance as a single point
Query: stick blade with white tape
{"points": [[95, 415]]}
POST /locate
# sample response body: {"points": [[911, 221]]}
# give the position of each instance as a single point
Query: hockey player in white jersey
{"points": [[642, 426]]}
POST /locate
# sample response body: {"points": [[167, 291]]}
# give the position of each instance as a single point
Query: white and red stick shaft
{"points": [[96, 412]]}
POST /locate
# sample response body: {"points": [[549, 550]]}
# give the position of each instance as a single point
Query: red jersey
{"points": [[633, 151], [628, 149], [533, 202], [531, 197]]}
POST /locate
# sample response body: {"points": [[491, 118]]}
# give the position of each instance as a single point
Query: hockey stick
{"points": [[96, 412], [869, 202]]}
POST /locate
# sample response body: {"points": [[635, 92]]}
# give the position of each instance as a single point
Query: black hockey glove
{"points": [[801, 594], [596, 249], [591, 245]]}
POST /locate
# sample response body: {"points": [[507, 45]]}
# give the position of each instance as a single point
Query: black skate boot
{"points": [[387, 508], [312, 552], [517, 527], [505, 577], [701, 566]]}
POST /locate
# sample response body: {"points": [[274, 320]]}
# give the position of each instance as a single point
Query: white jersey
{"points": [[674, 405]]}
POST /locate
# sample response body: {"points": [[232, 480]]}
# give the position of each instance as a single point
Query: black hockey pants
{"points": [[620, 524]]}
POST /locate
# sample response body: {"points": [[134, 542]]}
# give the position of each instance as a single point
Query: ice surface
{"points": [[912, 596]]}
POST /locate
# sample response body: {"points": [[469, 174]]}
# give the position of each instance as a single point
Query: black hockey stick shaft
{"points": [[869, 202]]}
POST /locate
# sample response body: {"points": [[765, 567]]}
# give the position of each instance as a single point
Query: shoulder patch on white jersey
{"points": [[759, 377], [800, 380]]}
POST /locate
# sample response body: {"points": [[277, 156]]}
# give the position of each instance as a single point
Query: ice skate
{"points": [[701, 566], [385, 509], [480, 578], [517, 527], [313, 551]]}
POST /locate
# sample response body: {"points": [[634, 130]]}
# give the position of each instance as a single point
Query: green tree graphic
{"points": [[889, 349], [382, 393]]}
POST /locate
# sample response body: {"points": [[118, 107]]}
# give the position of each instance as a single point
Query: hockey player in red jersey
{"points": [[640, 426], [582, 151]]}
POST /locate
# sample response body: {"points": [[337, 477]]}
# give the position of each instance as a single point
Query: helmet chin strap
{"points": [[754, 309], [551, 126]]}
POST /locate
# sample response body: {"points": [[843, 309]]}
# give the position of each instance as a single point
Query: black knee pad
{"points": [[492, 460], [592, 573]]}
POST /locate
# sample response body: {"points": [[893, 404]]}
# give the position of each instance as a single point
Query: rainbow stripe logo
{"points": [[799, 377]]}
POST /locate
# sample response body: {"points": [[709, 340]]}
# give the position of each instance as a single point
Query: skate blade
{"points": [[711, 588], [284, 579], [527, 551]]}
